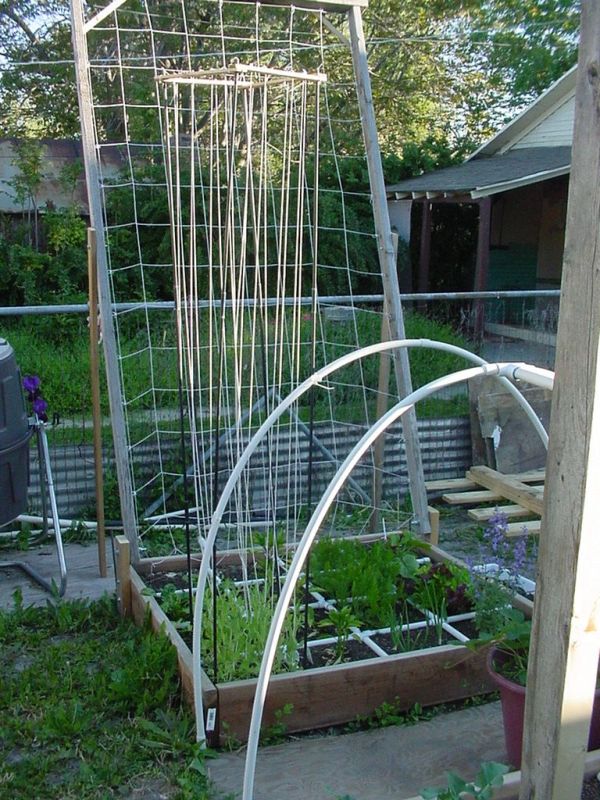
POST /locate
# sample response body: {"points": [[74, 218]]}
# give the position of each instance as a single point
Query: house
{"points": [[59, 180], [519, 182]]}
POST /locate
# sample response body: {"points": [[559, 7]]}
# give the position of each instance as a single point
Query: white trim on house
{"points": [[527, 180], [547, 103]]}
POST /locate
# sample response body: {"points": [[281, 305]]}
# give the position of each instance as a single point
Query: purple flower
{"points": [[40, 407], [31, 384]]}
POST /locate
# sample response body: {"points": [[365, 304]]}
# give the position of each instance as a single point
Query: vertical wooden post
{"points": [[383, 389], [566, 637], [483, 259], [123, 562], [96, 410], [425, 247], [109, 340], [434, 521], [388, 263]]}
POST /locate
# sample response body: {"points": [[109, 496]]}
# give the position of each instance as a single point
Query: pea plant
{"points": [[490, 777]]}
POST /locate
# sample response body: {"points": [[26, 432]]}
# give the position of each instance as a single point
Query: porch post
{"points": [[483, 260], [425, 249]]}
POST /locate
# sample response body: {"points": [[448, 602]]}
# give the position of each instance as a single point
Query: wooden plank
{"points": [[123, 561], [334, 695], [387, 260], [458, 484], [445, 484], [511, 488], [471, 498], [143, 605], [510, 512], [534, 526], [565, 640]]}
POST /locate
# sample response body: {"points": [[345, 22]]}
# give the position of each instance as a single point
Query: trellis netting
{"points": [[231, 177]]}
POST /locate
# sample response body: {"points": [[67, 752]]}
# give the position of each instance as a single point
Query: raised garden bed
{"points": [[320, 696]]}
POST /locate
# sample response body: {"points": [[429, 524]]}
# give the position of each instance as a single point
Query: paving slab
{"points": [[386, 764], [83, 575]]}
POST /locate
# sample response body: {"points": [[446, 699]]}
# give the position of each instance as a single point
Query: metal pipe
{"points": [[350, 301], [54, 509], [314, 525]]}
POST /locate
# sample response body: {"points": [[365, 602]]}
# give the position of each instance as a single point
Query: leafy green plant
{"points": [[176, 606], [342, 620], [512, 641], [489, 777], [371, 579], [275, 733]]}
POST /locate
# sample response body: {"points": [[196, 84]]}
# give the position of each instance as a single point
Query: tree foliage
{"points": [[441, 69]]}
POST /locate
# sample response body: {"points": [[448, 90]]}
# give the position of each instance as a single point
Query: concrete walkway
{"points": [[83, 575], [386, 764]]}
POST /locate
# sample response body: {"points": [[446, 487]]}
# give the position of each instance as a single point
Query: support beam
{"points": [[387, 261], [92, 177], [483, 259], [425, 248], [565, 644], [483, 244], [96, 409]]}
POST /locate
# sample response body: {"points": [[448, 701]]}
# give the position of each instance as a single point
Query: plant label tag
{"points": [[211, 718]]}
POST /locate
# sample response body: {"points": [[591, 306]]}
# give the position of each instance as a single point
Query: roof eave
{"points": [[526, 180]]}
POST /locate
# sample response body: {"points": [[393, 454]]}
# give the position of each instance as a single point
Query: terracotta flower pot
{"points": [[512, 698]]}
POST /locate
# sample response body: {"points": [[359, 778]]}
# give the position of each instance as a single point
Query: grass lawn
{"points": [[90, 707]]}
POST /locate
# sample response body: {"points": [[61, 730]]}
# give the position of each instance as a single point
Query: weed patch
{"points": [[89, 706]]}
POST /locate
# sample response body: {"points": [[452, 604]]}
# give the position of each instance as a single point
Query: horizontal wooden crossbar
{"points": [[324, 5]]}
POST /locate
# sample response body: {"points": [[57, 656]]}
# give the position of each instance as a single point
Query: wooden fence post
{"points": [[565, 640]]}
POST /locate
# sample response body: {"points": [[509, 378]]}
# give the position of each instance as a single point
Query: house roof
{"points": [[486, 175]]}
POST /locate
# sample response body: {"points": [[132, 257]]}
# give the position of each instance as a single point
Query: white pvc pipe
{"points": [[536, 376], [287, 402], [32, 519]]}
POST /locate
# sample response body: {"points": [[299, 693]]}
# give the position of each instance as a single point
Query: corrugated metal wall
{"points": [[445, 444]]}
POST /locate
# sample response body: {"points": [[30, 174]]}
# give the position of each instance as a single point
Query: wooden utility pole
{"points": [[387, 260], [565, 642], [96, 409]]}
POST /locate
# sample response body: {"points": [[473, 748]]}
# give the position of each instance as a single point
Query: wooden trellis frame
{"points": [[81, 27]]}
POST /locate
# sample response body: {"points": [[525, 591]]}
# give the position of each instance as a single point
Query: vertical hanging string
{"points": [[313, 354]]}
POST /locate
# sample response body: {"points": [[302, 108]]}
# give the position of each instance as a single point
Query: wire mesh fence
{"points": [[509, 326]]}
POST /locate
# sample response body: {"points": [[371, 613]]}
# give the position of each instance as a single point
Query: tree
{"points": [[442, 70]]}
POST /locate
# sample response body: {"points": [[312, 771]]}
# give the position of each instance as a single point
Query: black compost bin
{"points": [[14, 438]]}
